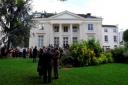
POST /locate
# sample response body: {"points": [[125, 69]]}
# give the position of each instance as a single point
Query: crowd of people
{"points": [[48, 59], [16, 52], [49, 63]]}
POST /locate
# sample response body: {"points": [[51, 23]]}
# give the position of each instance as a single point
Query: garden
{"points": [[84, 63], [89, 53]]}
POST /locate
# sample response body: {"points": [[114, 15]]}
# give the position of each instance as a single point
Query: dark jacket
{"points": [[34, 52]]}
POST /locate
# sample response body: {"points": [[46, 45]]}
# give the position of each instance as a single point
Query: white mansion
{"points": [[67, 28]]}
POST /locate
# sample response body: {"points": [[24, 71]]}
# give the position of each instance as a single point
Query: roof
{"points": [[88, 15], [109, 26], [47, 15]]}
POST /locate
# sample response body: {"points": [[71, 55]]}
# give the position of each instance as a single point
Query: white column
{"points": [[71, 34], [51, 35], [60, 36], [81, 32]]}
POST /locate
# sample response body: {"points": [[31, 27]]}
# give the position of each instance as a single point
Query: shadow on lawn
{"points": [[34, 80]]}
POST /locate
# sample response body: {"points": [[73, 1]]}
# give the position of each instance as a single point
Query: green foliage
{"points": [[120, 55], [125, 54], [78, 51], [117, 54], [94, 45], [109, 57], [89, 56], [103, 59], [89, 53], [125, 35], [15, 21], [95, 61], [66, 59]]}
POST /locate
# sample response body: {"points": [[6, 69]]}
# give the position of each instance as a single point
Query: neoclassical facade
{"points": [[66, 28]]}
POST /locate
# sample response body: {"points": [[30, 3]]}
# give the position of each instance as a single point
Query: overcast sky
{"points": [[113, 12]]}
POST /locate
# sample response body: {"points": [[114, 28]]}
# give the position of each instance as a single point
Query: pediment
{"points": [[67, 15]]}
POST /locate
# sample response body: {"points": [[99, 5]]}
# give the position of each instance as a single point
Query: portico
{"points": [[64, 34]]}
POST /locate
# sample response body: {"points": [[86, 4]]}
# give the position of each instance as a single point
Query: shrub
{"points": [[88, 57], [117, 54], [78, 51], [125, 54], [109, 57], [89, 53], [94, 45], [103, 59], [95, 61], [84, 53], [66, 59]]}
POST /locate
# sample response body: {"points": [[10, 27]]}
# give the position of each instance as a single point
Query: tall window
{"points": [[75, 40], [65, 28], [56, 28], [115, 38], [106, 38], [65, 41], [75, 29], [40, 41], [56, 41], [90, 26]]}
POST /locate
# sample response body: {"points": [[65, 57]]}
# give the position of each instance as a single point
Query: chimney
{"points": [[88, 14]]}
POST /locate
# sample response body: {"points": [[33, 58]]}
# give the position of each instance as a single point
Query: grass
{"points": [[23, 72]]}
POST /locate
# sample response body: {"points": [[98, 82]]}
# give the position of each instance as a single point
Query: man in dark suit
{"points": [[47, 66], [56, 57], [40, 63], [34, 54]]}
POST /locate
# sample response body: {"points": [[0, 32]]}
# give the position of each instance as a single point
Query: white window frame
{"points": [[65, 41], [40, 41], [56, 41], [90, 27], [115, 38], [106, 38], [75, 39], [56, 28], [65, 28], [75, 29]]}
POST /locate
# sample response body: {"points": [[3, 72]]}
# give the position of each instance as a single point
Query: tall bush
{"points": [[85, 53], [94, 45], [120, 55], [117, 54], [78, 51], [89, 52]]}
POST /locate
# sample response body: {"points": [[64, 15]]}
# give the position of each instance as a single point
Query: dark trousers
{"points": [[47, 74], [55, 69], [34, 59], [40, 71]]}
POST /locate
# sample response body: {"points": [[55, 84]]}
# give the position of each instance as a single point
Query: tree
{"points": [[15, 21], [125, 37]]}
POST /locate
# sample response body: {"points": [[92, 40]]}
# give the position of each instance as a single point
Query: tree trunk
{"points": [[8, 44]]}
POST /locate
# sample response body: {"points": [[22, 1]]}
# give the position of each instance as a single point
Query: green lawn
{"points": [[23, 72]]}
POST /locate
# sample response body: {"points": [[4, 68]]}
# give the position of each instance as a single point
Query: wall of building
{"points": [[111, 44], [82, 34]]}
